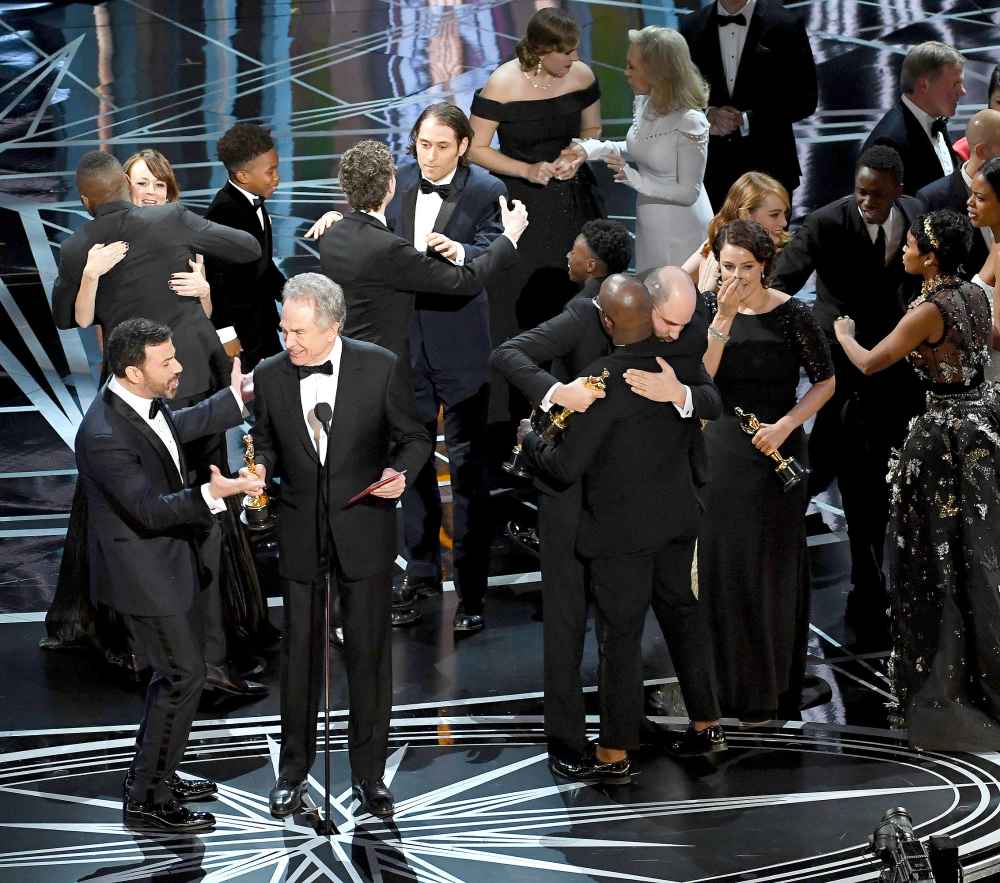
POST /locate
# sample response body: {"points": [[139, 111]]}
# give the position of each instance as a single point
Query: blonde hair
{"points": [[748, 193], [675, 81], [159, 167]]}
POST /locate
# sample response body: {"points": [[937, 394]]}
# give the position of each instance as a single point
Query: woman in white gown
{"points": [[663, 156]]}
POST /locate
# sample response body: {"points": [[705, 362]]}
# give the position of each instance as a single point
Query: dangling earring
{"points": [[538, 69]]}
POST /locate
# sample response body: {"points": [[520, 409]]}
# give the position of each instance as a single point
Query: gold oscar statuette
{"points": [[789, 470], [257, 510]]}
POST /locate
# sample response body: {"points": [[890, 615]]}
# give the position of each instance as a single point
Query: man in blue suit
{"points": [[451, 209]]}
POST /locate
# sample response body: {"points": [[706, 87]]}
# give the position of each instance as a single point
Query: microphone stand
{"points": [[324, 414]]}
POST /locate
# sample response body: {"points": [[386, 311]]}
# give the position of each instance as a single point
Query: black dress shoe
{"points": [[693, 743], [588, 768], [216, 679], [286, 797], [170, 816], [466, 623], [374, 798], [525, 538], [181, 789], [252, 667], [404, 616], [408, 588]]}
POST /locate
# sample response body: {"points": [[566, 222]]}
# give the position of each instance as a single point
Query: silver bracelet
{"points": [[718, 335]]}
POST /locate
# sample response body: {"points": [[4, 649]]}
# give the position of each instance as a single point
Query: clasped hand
{"points": [[771, 436]]}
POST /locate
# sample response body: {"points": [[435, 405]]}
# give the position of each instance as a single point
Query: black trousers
{"points": [[623, 589], [174, 647], [466, 439], [564, 624], [365, 616]]}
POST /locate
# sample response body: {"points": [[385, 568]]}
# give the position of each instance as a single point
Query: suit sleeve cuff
{"points": [[546, 403], [214, 506], [460, 257], [687, 409]]}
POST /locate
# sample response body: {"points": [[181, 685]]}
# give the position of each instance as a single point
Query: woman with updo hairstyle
{"points": [[944, 518], [753, 569], [536, 103], [984, 213], [663, 155], [754, 196]]}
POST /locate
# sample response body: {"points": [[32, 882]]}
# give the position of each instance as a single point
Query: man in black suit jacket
{"points": [[952, 191], [636, 530], [443, 201], [145, 525], [916, 126], [244, 295], [762, 78], [854, 245], [374, 436], [161, 240]]}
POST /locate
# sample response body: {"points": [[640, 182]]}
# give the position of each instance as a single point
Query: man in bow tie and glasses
{"points": [[244, 295], [916, 127], [759, 66], [146, 522], [372, 435]]}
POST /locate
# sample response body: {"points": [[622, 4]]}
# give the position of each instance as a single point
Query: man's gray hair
{"points": [[927, 59], [326, 296]]}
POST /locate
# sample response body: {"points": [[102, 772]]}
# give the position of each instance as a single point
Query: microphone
{"points": [[324, 413]]}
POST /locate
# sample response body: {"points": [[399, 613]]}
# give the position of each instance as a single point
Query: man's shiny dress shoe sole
{"points": [[286, 799], [170, 817]]}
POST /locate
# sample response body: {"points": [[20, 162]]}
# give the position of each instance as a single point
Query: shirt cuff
{"points": [[687, 409], [460, 257], [214, 506], [546, 403], [239, 401]]}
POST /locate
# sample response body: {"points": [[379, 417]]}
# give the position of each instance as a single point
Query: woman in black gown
{"points": [[753, 571], [536, 104], [943, 538]]}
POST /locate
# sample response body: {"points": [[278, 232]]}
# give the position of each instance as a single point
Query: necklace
{"points": [[533, 80], [933, 286]]}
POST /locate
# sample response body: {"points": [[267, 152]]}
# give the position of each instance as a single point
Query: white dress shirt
{"points": [[732, 39], [379, 216], [985, 231], [252, 198], [893, 226], [318, 388], [159, 425], [936, 138], [425, 215]]}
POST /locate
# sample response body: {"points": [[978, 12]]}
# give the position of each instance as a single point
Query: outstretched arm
{"points": [[919, 325]]}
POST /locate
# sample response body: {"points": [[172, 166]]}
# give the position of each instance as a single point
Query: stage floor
{"points": [[789, 801]]}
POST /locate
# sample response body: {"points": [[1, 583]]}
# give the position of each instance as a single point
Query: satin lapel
{"points": [[710, 46], [292, 400], [448, 206], [252, 224], [408, 210], [266, 244], [754, 30], [116, 404], [180, 448], [347, 385]]}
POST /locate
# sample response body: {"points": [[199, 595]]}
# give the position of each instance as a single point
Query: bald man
{"points": [[566, 345], [952, 191], [637, 525]]}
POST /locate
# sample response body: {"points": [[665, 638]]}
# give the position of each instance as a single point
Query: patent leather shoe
{"points": [[403, 616], [692, 743], [217, 679], [181, 789], [374, 798], [408, 588], [286, 797], [466, 623], [170, 816], [587, 768]]}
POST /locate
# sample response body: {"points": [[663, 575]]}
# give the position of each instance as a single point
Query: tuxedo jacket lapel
{"points": [[755, 28], [409, 206], [292, 399], [177, 479], [448, 206], [347, 386], [250, 223]]}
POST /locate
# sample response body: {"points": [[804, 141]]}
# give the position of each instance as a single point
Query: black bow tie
{"points": [[940, 126], [258, 202], [442, 190], [305, 370], [155, 407], [723, 20]]}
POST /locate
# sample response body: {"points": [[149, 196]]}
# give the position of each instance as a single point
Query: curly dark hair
{"points": [[610, 242], [750, 235], [365, 172], [243, 143], [952, 238], [449, 115], [990, 170], [882, 158], [126, 346], [994, 84]]}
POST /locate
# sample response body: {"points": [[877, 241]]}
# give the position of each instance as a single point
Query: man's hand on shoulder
{"points": [[657, 386], [576, 395]]}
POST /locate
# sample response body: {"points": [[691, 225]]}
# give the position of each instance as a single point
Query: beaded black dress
{"points": [[943, 539], [538, 286], [753, 572]]}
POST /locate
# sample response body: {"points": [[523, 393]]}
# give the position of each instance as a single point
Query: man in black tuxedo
{"points": [[145, 526], [443, 203], [373, 435], [762, 78], [952, 191], [636, 529], [916, 126], [244, 295], [854, 245], [572, 341]]}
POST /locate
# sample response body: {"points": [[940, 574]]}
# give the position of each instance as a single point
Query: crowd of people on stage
{"points": [[481, 279]]}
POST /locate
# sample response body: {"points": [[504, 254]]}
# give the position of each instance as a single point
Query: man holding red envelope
{"points": [[373, 438]]}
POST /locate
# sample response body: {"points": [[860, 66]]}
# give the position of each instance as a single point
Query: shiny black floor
{"points": [[789, 801]]}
